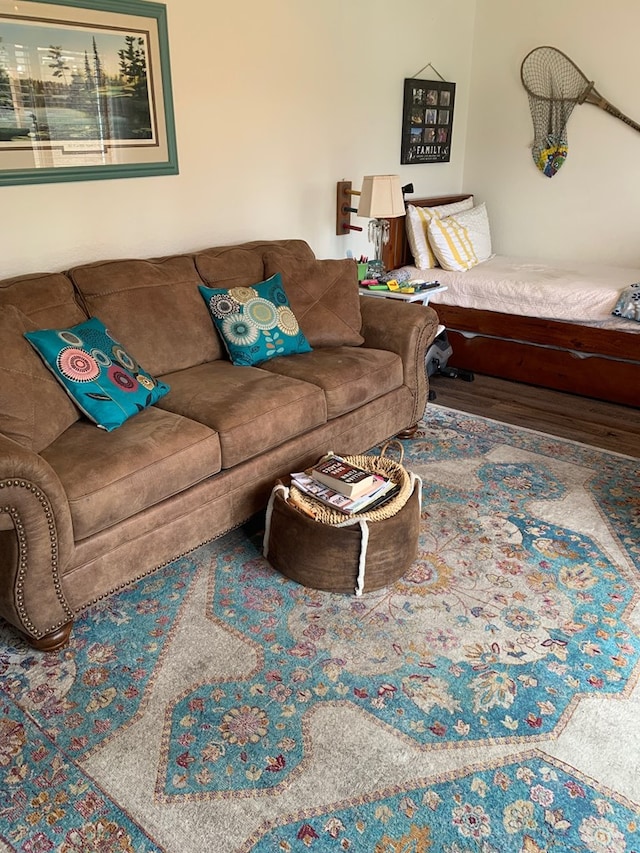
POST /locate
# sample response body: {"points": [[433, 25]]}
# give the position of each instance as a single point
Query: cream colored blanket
{"points": [[579, 293]]}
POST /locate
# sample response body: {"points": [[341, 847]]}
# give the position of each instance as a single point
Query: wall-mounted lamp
{"points": [[381, 199]]}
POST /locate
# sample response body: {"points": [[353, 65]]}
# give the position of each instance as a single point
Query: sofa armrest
{"points": [[36, 542], [406, 328]]}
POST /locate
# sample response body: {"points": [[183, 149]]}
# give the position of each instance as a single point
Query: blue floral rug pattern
{"points": [[499, 627], [519, 607], [84, 694], [48, 804], [532, 806]]}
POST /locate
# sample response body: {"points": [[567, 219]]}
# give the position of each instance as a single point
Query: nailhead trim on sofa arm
{"points": [[9, 500]]}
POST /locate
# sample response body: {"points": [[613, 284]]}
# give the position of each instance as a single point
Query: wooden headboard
{"points": [[397, 253]]}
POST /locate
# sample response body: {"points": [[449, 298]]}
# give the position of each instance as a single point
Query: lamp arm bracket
{"points": [[343, 210]]}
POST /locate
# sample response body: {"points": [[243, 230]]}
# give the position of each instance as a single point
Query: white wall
{"points": [[591, 208], [274, 102]]}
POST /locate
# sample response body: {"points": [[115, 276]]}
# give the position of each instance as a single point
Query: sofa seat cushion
{"points": [[111, 476], [252, 410], [348, 376]]}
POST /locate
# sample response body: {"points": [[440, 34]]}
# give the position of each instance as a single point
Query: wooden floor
{"points": [[606, 425]]}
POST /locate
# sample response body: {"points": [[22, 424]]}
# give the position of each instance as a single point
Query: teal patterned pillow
{"points": [[256, 323], [96, 371]]}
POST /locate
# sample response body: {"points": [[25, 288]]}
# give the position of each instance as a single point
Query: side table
{"points": [[422, 296]]}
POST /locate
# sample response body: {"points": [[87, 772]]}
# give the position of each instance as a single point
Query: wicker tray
{"points": [[382, 465]]}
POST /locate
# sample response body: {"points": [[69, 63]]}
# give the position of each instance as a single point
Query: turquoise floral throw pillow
{"points": [[96, 371], [256, 323]]}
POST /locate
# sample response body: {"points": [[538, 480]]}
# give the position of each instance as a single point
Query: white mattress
{"points": [[577, 293]]}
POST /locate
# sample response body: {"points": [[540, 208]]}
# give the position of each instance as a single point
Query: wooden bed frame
{"points": [[599, 363]]}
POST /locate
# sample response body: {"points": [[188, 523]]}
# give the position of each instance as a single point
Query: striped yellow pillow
{"points": [[417, 225], [460, 242]]}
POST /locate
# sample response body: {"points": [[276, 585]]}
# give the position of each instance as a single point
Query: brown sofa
{"points": [[84, 512]]}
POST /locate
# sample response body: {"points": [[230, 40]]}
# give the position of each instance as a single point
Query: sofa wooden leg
{"points": [[53, 641], [409, 432]]}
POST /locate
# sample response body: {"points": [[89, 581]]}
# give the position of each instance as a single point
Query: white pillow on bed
{"points": [[417, 225], [460, 242]]}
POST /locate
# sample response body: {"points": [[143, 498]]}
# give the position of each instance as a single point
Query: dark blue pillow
{"points": [[255, 323], [99, 375]]}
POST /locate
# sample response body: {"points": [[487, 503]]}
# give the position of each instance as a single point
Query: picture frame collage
{"points": [[427, 121]]}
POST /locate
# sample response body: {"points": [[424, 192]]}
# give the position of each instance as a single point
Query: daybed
{"points": [[546, 324], [85, 511]]}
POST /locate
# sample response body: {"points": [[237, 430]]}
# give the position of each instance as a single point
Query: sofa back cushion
{"points": [[153, 308], [47, 299], [243, 265], [34, 409], [323, 295]]}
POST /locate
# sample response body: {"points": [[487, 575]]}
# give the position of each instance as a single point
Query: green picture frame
{"points": [[85, 91]]}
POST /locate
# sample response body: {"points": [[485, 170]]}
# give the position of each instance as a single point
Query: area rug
{"points": [[488, 701]]}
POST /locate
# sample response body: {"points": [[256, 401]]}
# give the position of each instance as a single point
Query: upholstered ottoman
{"points": [[359, 555]]}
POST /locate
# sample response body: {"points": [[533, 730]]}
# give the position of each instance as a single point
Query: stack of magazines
{"points": [[345, 487]]}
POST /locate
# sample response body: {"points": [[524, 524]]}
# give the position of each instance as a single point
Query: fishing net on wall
{"points": [[552, 98], [555, 85]]}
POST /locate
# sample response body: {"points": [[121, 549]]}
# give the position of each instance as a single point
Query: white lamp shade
{"points": [[381, 197]]}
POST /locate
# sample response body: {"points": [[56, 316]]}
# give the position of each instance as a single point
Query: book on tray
{"points": [[379, 493], [343, 477]]}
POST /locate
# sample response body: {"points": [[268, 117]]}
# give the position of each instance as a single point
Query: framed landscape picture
{"points": [[85, 91], [427, 120]]}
